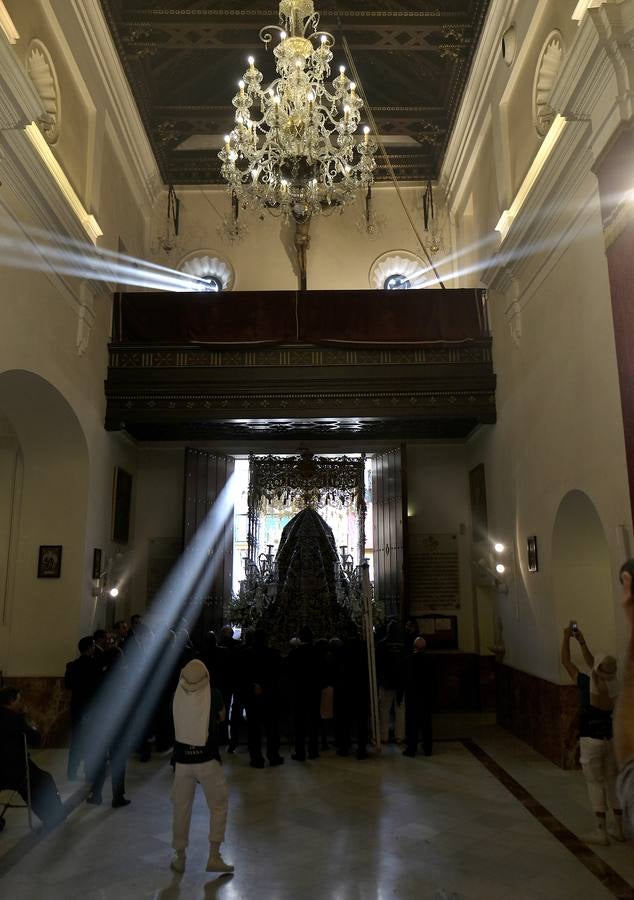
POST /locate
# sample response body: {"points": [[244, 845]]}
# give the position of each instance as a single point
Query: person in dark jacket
{"points": [[82, 680], [305, 686], [14, 728], [351, 695], [390, 675], [418, 699], [262, 698]]}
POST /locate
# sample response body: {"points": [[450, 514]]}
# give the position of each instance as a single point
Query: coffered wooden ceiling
{"points": [[183, 61]]}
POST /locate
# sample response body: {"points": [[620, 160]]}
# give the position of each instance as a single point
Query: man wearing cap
{"points": [[198, 710], [597, 695]]}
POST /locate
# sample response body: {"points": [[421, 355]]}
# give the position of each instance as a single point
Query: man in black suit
{"points": [[14, 728], [262, 697], [418, 699], [82, 679]]}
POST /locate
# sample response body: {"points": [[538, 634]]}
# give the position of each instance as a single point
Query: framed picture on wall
{"points": [[531, 546], [96, 564], [121, 504], [49, 561]]}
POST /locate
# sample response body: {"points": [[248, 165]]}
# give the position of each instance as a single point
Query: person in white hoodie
{"points": [[198, 710]]}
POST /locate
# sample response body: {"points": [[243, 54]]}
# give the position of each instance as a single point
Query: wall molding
{"points": [[558, 182], [19, 101], [476, 97], [127, 125]]}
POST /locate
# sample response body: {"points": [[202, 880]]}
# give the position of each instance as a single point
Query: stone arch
{"points": [[582, 575], [49, 500]]}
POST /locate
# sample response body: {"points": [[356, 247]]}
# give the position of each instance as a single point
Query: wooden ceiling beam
{"points": [[146, 37]]}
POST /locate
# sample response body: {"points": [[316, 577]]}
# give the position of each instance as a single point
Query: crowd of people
{"points": [[132, 688]]}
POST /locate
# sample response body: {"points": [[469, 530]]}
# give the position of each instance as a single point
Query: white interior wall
{"points": [[438, 503], [340, 255]]}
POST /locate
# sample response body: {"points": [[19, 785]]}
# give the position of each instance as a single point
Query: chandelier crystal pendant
{"points": [[294, 149]]}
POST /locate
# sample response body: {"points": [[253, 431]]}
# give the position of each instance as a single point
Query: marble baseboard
{"points": [[48, 704], [543, 714]]}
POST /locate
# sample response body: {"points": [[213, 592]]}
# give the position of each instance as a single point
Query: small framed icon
{"points": [[49, 561], [531, 546]]}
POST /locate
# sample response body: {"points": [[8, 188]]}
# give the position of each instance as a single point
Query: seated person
{"points": [[45, 800]]}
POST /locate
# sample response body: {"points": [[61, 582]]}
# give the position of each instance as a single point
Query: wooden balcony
{"points": [[362, 365]]}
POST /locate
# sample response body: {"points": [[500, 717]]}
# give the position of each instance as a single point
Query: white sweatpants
{"points": [[387, 697], [599, 769], [212, 780]]}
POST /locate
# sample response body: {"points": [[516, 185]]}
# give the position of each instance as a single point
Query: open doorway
{"points": [[343, 520]]}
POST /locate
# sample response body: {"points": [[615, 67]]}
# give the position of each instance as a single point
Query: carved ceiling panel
{"points": [[183, 61]]}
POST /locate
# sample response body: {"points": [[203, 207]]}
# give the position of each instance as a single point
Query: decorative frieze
{"points": [[469, 353]]}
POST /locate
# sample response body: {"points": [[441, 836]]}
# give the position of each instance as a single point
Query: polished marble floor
{"points": [[439, 828]]}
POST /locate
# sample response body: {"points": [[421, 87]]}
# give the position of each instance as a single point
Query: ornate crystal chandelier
{"points": [[294, 149]]}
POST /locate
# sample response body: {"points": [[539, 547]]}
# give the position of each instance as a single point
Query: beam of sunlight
{"points": [[502, 257], [120, 713], [37, 250]]}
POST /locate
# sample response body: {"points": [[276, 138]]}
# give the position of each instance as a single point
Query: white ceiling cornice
{"points": [[124, 113], [476, 97]]}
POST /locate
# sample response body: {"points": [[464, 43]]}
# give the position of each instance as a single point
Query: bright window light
{"points": [[541, 157], [88, 222]]}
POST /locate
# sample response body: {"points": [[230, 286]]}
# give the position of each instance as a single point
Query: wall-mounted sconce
{"points": [[496, 570]]}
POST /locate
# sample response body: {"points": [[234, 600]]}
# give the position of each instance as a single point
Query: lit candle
{"points": [[241, 86], [227, 143], [366, 135], [346, 112], [251, 62], [353, 88]]}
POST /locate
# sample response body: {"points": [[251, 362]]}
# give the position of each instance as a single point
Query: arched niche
{"points": [[47, 485], [582, 577]]}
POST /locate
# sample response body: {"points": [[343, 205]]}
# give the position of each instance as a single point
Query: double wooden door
{"points": [[390, 531], [206, 475]]}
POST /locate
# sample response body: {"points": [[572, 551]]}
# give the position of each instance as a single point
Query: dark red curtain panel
{"points": [[352, 318]]}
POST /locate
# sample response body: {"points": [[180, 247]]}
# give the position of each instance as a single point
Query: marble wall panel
{"points": [[539, 712]]}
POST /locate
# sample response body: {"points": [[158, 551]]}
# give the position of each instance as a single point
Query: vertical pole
{"points": [[368, 633]]}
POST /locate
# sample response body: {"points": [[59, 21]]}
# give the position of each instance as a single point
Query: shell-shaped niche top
{"points": [[41, 70], [550, 60], [210, 266], [397, 269]]}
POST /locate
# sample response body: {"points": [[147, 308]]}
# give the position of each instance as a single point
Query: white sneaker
{"points": [[598, 838], [216, 863], [178, 862]]}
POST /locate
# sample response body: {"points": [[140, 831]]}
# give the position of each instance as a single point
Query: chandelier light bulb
{"points": [[323, 39], [342, 69], [353, 86], [500, 569], [114, 592], [251, 60], [499, 548], [283, 35], [241, 85]]}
